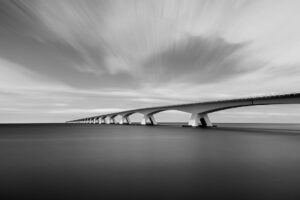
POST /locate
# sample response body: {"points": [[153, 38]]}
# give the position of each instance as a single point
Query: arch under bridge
{"points": [[199, 111]]}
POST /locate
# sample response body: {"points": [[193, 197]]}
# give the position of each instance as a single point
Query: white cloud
{"points": [[14, 77], [115, 37]]}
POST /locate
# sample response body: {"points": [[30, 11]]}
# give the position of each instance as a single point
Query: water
{"points": [[237, 161]]}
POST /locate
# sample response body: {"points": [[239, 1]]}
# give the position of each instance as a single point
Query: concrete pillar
{"points": [[100, 120], [107, 120], [122, 120], [110, 120], [199, 118], [128, 120], [194, 120], [148, 120], [125, 120], [205, 121], [94, 120]]}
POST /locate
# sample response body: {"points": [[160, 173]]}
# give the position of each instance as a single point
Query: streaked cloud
{"points": [[71, 56]]}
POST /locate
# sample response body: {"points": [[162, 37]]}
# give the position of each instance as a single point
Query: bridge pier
{"points": [[110, 120], [128, 120], [125, 120], [199, 118], [107, 120], [148, 120]]}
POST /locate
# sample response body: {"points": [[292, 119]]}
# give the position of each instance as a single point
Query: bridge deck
{"points": [[199, 110]]}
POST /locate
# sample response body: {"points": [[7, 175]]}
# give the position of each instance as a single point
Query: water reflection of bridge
{"points": [[199, 111]]}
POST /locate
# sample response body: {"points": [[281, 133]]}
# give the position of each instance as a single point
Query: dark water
{"points": [[67, 161]]}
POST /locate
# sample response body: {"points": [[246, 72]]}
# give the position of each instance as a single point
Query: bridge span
{"points": [[199, 111]]}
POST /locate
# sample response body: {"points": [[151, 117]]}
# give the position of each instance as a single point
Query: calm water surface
{"points": [[236, 161]]}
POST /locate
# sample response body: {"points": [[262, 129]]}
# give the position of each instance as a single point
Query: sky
{"points": [[68, 59]]}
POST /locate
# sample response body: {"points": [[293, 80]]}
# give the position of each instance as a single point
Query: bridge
{"points": [[199, 111]]}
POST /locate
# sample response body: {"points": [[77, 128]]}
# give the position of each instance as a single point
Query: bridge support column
{"points": [[148, 120], [110, 120], [107, 120], [94, 120], [128, 120], [199, 118], [100, 120], [205, 121], [125, 120]]}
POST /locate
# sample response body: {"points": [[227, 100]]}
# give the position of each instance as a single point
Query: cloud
{"points": [[14, 77], [198, 60], [89, 55]]}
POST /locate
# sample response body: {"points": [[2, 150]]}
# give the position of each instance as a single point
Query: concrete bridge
{"points": [[199, 111]]}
